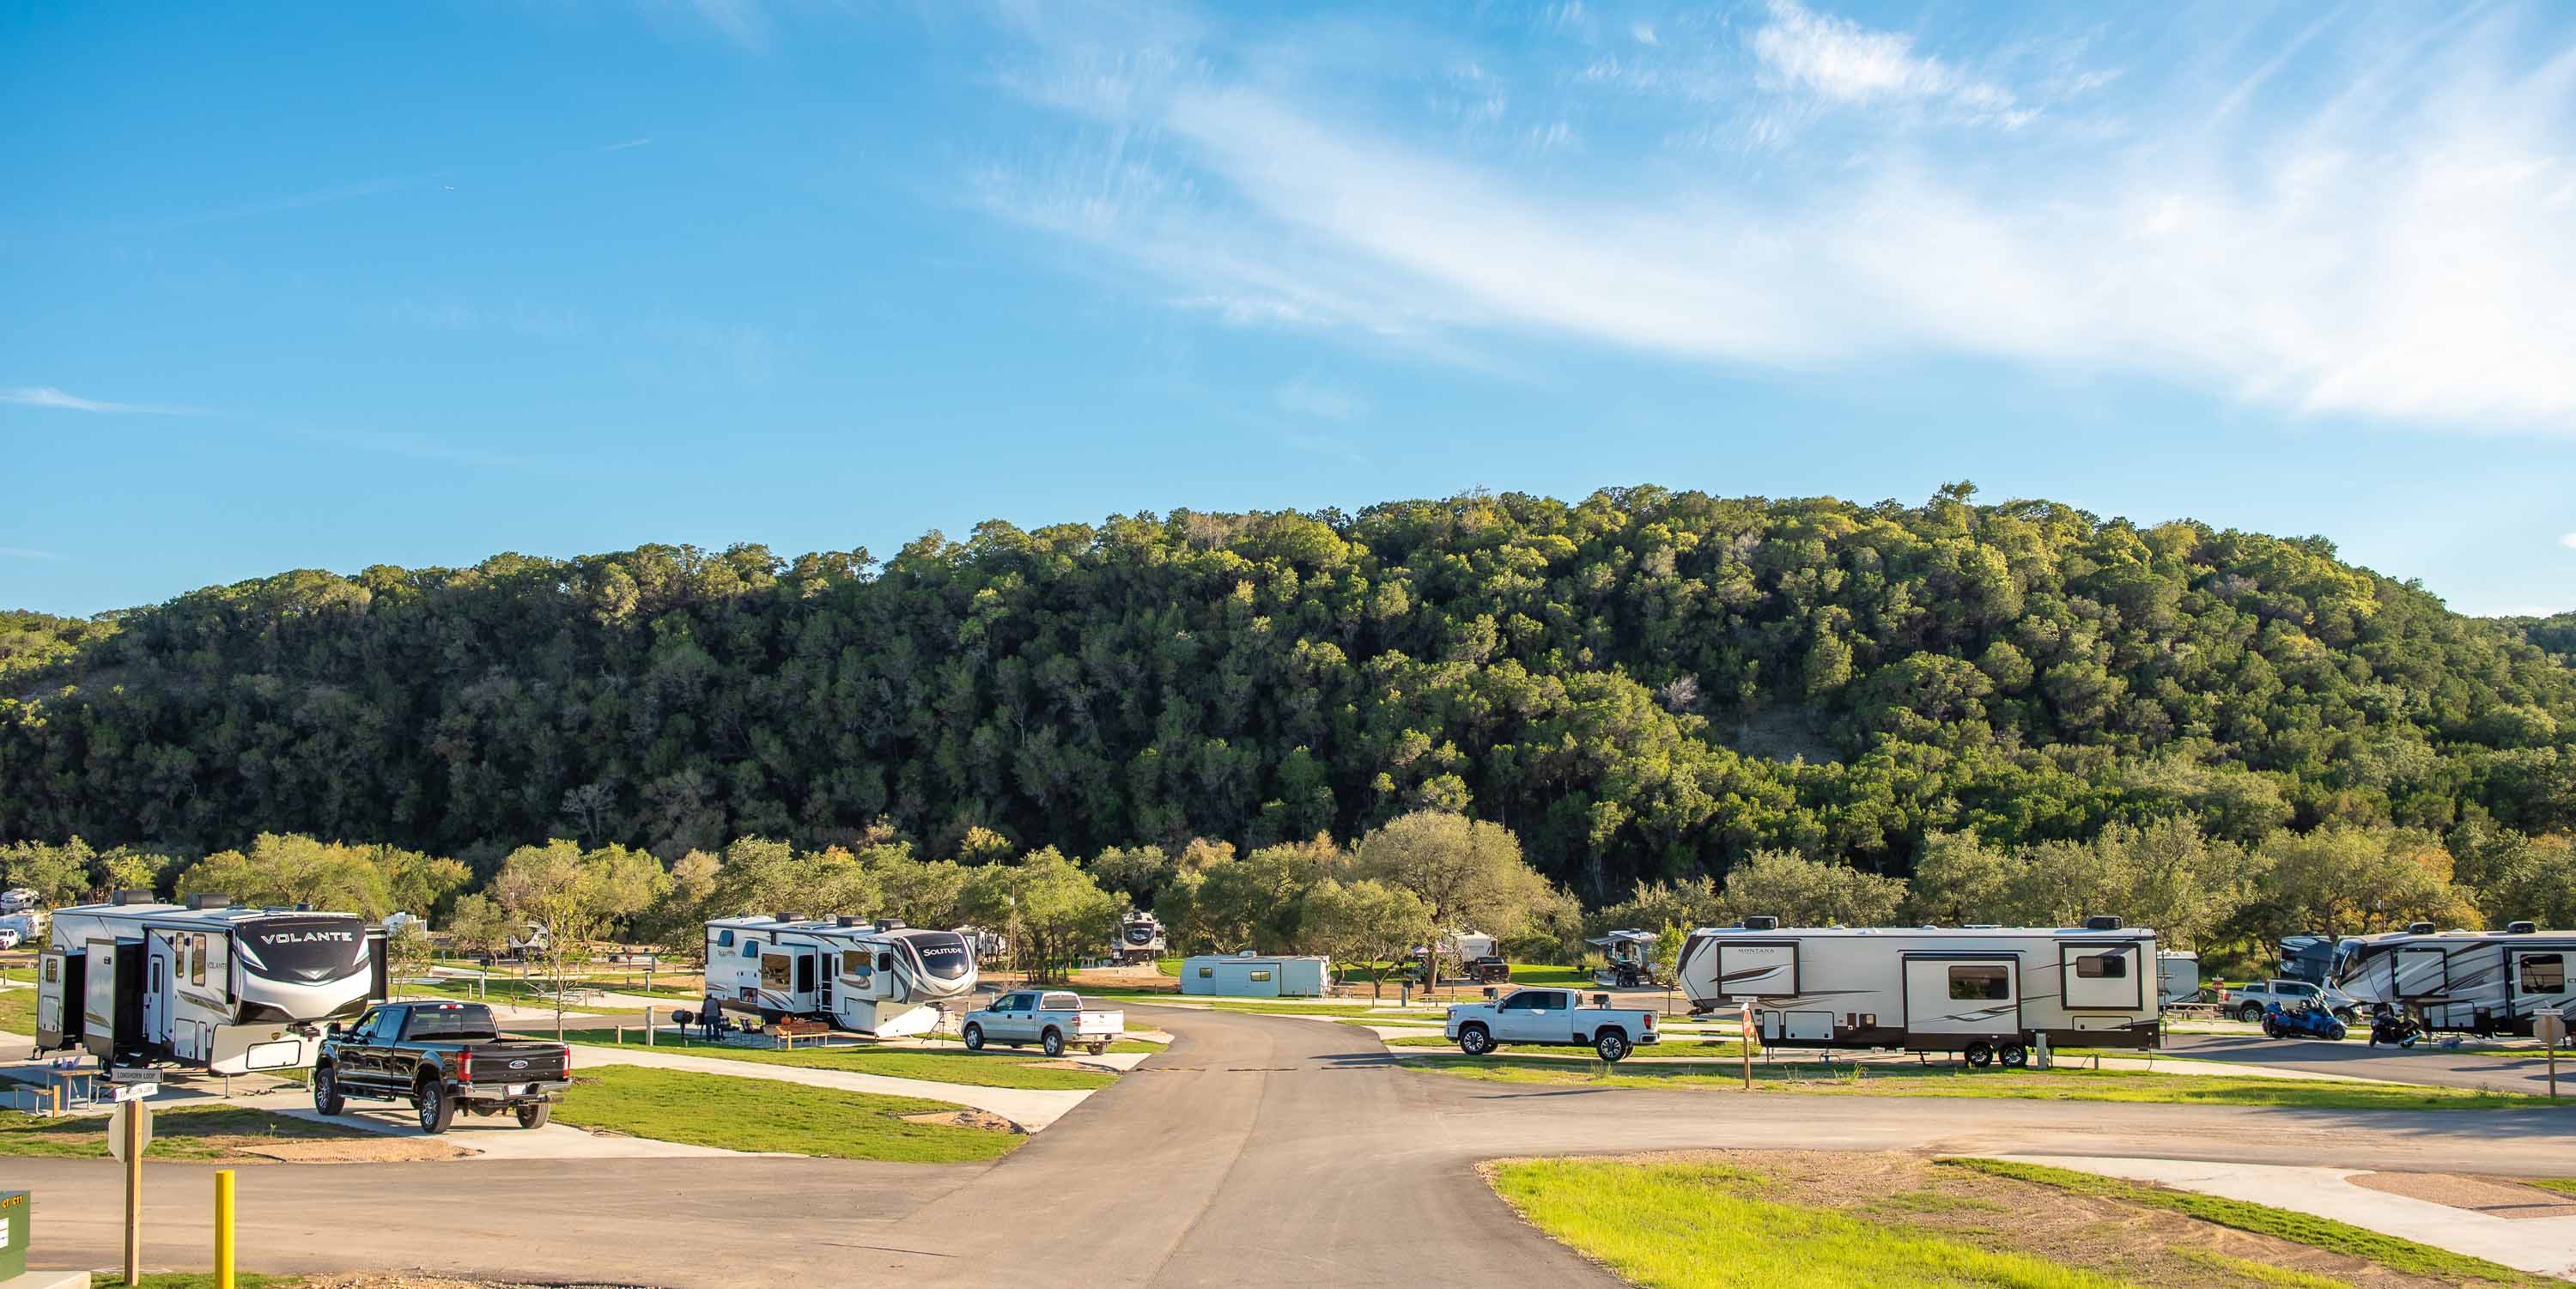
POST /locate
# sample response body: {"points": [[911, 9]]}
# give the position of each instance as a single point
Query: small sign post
{"points": [[2551, 1028], [129, 1131], [1744, 1042]]}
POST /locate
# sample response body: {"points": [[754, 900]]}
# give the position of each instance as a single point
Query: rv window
{"points": [[1979, 983], [53, 971], [885, 962], [854, 962], [1205, 972], [1261, 975], [196, 959], [751, 948], [2103, 966], [2544, 973], [724, 938], [773, 971]]}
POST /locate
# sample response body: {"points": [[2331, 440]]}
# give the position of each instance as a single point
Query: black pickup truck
{"points": [[440, 1057]]}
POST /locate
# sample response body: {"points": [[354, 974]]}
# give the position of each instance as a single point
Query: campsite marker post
{"points": [[2551, 1030], [1744, 1042]]}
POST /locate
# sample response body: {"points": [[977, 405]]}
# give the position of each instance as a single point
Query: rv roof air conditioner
{"points": [[846, 919], [130, 896], [1761, 922], [889, 924], [209, 900], [2419, 928], [2103, 923], [2522, 928]]}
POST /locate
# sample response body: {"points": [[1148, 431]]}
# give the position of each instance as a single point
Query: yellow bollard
{"points": [[223, 1228]]}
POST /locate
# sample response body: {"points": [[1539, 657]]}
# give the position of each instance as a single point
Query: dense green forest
{"points": [[1643, 686]]}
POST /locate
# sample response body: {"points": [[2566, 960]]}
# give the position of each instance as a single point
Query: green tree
{"points": [[57, 874], [1363, 922], [1805, 892], [1056, 912]]}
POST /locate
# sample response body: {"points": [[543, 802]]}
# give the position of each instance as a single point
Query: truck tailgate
{"points": [[1099, 1022]]}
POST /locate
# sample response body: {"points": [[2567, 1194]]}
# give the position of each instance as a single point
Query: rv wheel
{"points": [[1053, 1042], [1474, 1040], [974, 1038], [326, 1092], [533, 1114], [2014, 1056], [1980, 1055]]}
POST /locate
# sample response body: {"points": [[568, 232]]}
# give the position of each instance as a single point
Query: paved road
{"points": [[2423, 1063], [1258, 1151]]}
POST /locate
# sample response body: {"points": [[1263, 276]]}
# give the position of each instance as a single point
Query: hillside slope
{"points": [[1582, 672]]}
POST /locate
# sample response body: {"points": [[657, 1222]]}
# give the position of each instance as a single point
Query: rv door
{"points": [[1963, 995]]}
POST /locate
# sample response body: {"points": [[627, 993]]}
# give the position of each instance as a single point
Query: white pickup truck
{"points": [[1052, 1019], [1549, 1017]]}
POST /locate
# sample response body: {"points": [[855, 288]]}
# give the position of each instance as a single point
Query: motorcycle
{"points": [[2395, 1027], [2308, 1020]]}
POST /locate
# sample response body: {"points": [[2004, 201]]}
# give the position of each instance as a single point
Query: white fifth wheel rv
{"points": [[1139, 939], [880, 978], [2479, 982], [1986, 992], [202, 983]]}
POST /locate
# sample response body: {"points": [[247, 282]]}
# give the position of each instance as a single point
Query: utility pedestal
{"points": [[16, 1218]]}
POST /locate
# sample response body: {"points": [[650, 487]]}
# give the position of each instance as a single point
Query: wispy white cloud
{"points": [[48, 396], [2396, 244], [24, 552], [2568, 541], [630, 143]]}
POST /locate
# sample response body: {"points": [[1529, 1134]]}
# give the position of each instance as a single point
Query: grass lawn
{"points": [[1708, 1226], [204, 1133], [18, 1011], [2562, 1185], [760, 1114], [2300, 1228], [1947, 1081], [988, 1069]]}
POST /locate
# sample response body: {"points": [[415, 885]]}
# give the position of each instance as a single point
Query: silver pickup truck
{"points": [[1051, 1018], [1550, 1018]]}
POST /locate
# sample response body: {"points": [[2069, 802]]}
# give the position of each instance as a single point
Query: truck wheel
{"points": [[437, 1109], [1980, 1054], [1053, 1042], [1611, 1045], [2013, 1055], [974, 1038], [1096, 1048], [533, 1114], [1475, 1040], [2249, 1013], [326, 1092]]}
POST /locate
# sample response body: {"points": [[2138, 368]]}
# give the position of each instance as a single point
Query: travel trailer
{"points": [[987, 946], [881, 978], [1140, 938], [2478, 982], [1631, 959], [1988, 993], [202, 983], [1255, 975], [2177, 976]]}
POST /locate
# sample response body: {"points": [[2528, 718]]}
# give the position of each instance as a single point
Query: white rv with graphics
{"points": [[202, 983], [2479, 982], [1989, 993], [880, 978]]}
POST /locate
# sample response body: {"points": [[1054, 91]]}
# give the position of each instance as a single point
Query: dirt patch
{"points": [[2493, 1197], [402, 1280], [984, 1119], [2143, 1246], [354, 1150]]}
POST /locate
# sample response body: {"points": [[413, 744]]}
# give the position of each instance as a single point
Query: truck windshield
{"points": [[471, 1024]]}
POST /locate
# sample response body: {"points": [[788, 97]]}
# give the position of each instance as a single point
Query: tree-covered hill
{"points": [[1614, 679]]}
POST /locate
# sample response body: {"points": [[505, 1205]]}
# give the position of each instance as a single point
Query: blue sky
{"points": [[333, 286]]}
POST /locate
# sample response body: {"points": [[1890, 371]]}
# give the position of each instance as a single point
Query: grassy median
{"points": [[768, 1115], [987, 1069], [1886, 1080], [211, 1133]]}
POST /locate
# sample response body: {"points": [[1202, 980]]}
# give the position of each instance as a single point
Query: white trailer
{"points": [[2177, 976], [1253, 975], [1987, 992], [2477, 982], [881, 978], [1630, 956], [1139, 938], [203, 983]]}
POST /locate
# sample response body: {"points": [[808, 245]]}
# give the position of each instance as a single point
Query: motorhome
{"points": [[1629, 959], [1989, 993], [881, 978], [202, 983], [2477, 982], [20, 898], [1139, 938]]}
